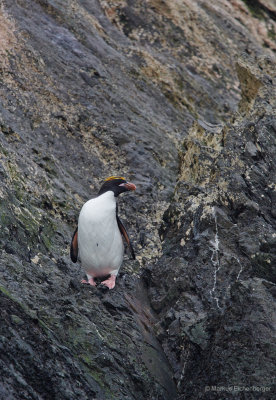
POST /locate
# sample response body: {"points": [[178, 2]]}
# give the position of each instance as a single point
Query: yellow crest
{"points": [[111, 178]]}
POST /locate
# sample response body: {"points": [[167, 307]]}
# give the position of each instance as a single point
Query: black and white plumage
{"points": [[97, 241]]}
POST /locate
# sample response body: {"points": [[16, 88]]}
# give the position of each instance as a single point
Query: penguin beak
{"points": [[128, 186]]}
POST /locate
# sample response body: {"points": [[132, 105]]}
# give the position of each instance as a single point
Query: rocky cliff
{"points": [[179, 97]]}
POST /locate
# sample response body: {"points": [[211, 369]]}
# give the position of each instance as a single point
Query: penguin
{"points": [[97, 240]]}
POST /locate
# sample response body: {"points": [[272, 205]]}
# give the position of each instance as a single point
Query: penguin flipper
{"points": [[125, 235], [74, 246]]}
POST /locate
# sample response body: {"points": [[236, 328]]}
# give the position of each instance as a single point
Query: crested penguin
{"points": [[97, 240]]}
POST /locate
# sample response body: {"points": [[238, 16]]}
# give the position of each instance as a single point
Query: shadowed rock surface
{"points": [[179, 97]]}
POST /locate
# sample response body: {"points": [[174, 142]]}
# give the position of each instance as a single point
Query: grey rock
{"points": [[146, 90]]}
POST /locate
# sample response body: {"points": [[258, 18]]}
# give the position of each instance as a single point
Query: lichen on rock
{"points": [[179, 97]]}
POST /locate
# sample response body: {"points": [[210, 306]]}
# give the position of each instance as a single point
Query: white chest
{"points": [[99, 239]]}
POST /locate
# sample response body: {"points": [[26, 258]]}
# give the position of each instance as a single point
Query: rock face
{"points": [[179, 97]]}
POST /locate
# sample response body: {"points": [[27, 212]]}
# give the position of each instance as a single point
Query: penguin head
{"points": [[117, 185]]}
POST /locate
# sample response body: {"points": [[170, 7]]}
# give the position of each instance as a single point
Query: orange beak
{"points": [[128, 186]]}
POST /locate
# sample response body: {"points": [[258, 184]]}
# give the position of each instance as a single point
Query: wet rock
{"points": [[147, 90]]}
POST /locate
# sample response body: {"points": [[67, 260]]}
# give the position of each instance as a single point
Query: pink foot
{"points": [[89, 282], [110, 282]]}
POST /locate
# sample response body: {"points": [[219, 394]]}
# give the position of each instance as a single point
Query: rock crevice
{"points": [[148, 90]]}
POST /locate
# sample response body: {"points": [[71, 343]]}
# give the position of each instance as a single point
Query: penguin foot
{"points": [[89, 282], [110, 282]]}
